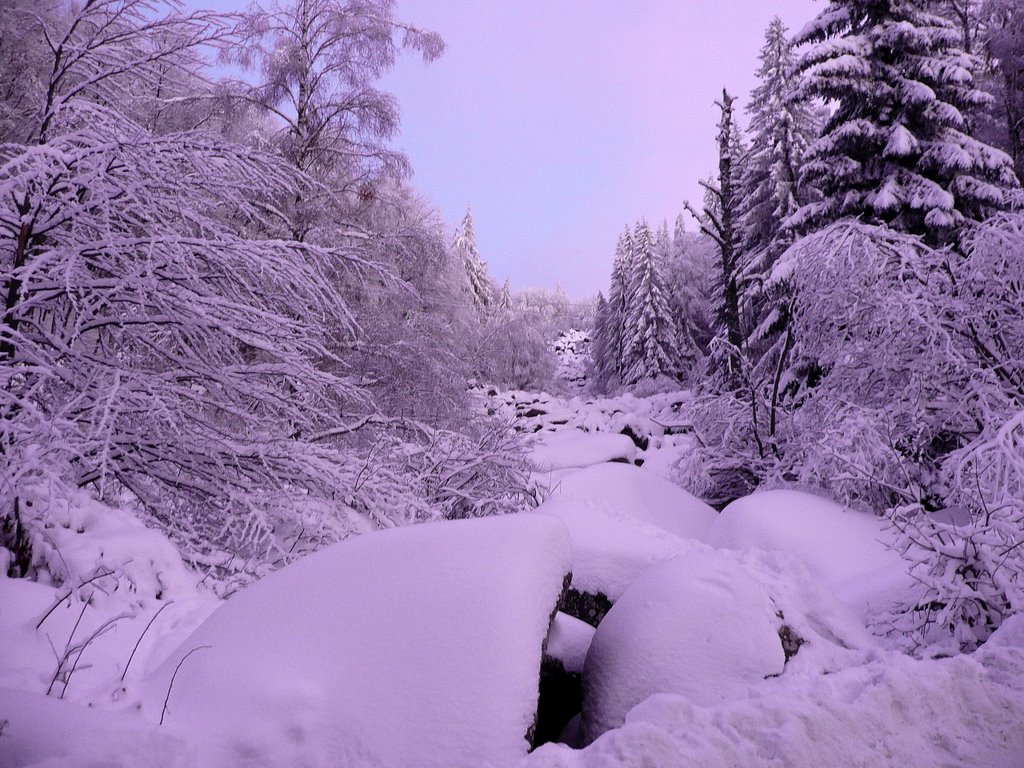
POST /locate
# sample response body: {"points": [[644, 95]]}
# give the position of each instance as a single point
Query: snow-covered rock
{"points": [[635, 493], [610, 548], [886, 710], [569, 641], [574, 448], [697, 625], [847, 549], [418, 646]]}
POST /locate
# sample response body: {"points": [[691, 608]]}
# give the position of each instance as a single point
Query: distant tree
{"points": [[618, 303], [898, 148], [505, 299], [1003, 32], [601, 367], [650, 336], [481, 289]]}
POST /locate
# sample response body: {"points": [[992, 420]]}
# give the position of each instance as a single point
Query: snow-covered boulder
{"points": [[699, 625], [418, 646], [610, 548], [632, 492], [576, 449], [850, 551]]}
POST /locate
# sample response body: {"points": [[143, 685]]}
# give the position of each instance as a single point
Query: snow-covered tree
{"points": [[505, 298], [481, 288], [650, 336], [898, 148], [618, 302], [319, 62], [600, 336], [781, 130]]}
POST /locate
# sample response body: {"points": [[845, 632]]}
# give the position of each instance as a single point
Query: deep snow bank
{"points": [[418, 646]]}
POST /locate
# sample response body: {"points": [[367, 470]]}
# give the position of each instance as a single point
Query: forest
{"points": [[289, 478]]}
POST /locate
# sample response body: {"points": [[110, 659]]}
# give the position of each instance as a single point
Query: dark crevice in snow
{"points": [[591, 608], [561, 699]]}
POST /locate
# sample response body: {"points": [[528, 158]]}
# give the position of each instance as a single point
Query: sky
{"points": [[562, 121]]}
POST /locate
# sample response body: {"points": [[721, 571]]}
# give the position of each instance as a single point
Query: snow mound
{"points": [[848, 550], [700, 626], [569, 641], [610, 548], [638, 494], [82, 737], [892, 710], [574, 448], [418, 646]]}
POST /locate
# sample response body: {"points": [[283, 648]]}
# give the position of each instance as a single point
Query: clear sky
{"points": [[563, 120]]}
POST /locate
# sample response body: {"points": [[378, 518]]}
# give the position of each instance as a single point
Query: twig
{"points": [[139, 641], [170, 685]]}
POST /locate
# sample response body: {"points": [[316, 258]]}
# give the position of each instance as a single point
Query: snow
{"points": [[417, 646], [562, 450], [569, 641], [637, 493], [610, 549], [83, 737], [892, 710], [848, 550], [696, 625]]}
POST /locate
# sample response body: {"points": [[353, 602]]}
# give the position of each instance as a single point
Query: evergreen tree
{"points": [[505, 299], [602, 365], [650, 341], [618, 297], [898, 148], [781, 129], [480, 287]]}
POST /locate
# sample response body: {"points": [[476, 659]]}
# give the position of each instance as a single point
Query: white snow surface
{"points": [[637, 493], [610, 548], [561, 450], [418, 646], [848, 550], [705, 625], [569, 641], [888, 710]]}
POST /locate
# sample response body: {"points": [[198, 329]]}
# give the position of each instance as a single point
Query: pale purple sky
{"points": [[562, 120]]}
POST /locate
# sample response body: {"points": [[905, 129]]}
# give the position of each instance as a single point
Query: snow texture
{"points": [[847, 550], [890, 710], [580, 449], [569, 641], [417, 646]]}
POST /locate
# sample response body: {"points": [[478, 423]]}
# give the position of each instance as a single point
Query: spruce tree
{"points": [[782, 129], [464, 245], [618, 296], [650, 344], [897, 149], [602, 365], [505, 299]]}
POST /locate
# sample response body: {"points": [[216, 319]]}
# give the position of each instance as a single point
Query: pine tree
{"points": [[464, 245], [650, 341], [618, 297], [782, 129], [898, 148], [603, 366], [505, 299]]}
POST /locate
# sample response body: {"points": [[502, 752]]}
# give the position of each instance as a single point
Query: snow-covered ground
{"points": [[741, 638]]}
